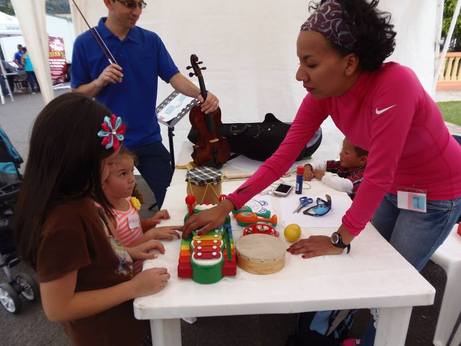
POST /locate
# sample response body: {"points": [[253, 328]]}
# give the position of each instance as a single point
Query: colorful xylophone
{"points": [[207, 258]]}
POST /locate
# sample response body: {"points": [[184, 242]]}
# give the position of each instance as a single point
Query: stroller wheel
{"points": [[9, 299], [27, 287]]}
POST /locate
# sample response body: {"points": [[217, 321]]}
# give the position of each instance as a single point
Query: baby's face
{"points": [[348, 156]]}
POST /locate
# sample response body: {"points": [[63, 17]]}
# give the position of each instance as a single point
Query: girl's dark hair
{"points": [[375, 36], [64, 163], [124, 151]]}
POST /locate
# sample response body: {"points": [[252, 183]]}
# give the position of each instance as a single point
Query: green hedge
{"points": [[451, 111]]}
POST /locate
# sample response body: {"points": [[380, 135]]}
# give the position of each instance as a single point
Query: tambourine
{"points": [[260, 228]]}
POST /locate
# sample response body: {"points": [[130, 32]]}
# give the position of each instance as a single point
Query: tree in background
{"points": [[52, 7], [6, 7], [449, 8]]}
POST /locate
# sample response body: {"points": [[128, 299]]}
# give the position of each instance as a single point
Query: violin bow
{"points": [[105, 50]]}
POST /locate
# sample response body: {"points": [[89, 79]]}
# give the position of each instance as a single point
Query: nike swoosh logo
{"points": [[381, 111]]}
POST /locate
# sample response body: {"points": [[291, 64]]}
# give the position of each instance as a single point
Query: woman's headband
{"points": [[328, 21]]}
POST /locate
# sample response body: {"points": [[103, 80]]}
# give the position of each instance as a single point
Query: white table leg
{"points": [[166, 332], [392, 326], [456, 341]]}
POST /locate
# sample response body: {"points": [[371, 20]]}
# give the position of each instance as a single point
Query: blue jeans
{"points": [[155, 167], [32, 80], [414, 235]]}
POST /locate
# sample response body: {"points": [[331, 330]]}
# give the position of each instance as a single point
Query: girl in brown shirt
{"points": [[86, 279]]}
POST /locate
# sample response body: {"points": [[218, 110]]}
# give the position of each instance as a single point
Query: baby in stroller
{"points": [[20, 284]]}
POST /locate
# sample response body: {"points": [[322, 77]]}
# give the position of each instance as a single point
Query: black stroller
{"points": [[20, 284]]}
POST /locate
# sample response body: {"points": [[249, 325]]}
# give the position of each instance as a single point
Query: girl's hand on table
{"points": [[157, 218], [316, 245], [149, 281], [145, 250], [207, 220], [164, 233]]}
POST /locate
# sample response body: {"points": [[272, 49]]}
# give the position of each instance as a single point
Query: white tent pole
{"points": [[31, 16], [446, 45], [438, 41]]}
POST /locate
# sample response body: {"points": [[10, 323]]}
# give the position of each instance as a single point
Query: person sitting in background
{"points": [[343, 175]]}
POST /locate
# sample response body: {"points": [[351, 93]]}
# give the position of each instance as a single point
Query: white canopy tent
{"points": [[252, 44], [31, 16], [9, 25], [248, 46]]}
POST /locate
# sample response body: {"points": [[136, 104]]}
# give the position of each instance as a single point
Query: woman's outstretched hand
{"points": [[316, 245], [207, 220]]}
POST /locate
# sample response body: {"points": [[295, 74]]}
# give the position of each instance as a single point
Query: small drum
{"points": [[260, 254], [204, 183]]}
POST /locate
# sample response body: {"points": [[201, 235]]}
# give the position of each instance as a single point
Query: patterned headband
{"points": [[328, 21], [112, 131]]}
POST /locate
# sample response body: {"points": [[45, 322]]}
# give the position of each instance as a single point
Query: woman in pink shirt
{"points": [[380, 107]]}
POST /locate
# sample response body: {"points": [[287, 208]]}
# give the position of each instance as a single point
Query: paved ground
{"points": [[31, 328]]}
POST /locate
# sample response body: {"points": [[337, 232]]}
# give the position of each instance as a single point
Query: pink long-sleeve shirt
{"points": [[388, 113]]}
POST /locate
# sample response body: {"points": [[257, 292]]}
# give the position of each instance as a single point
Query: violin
{"points": [[211, 149]]}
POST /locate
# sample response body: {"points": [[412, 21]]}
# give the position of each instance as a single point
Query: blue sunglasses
{"points": [[321, 208]]}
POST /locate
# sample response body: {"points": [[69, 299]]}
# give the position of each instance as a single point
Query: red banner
{"points": [[57, 59]]}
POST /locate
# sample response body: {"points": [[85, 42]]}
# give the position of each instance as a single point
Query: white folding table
{"points": [[373, 275]]}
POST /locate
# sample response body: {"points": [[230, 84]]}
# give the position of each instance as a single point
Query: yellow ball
{"points": [[292, 232]]}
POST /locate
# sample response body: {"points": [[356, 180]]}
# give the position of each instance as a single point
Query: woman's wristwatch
{"points": [[337, 240]]}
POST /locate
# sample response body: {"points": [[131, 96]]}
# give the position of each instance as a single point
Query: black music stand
{"points": [[170, 111]]}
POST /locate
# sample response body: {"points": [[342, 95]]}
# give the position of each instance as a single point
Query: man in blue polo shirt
{"points": [[129, 87]]}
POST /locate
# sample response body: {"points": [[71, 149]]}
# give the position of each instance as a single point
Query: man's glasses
{"points": [[131, 4], [321, 208]]}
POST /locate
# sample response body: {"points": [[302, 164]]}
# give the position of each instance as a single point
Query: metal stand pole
{"points": [[171, 144]]}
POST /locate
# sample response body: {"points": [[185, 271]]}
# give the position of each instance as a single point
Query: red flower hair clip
{"points": [[112, 132]]}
